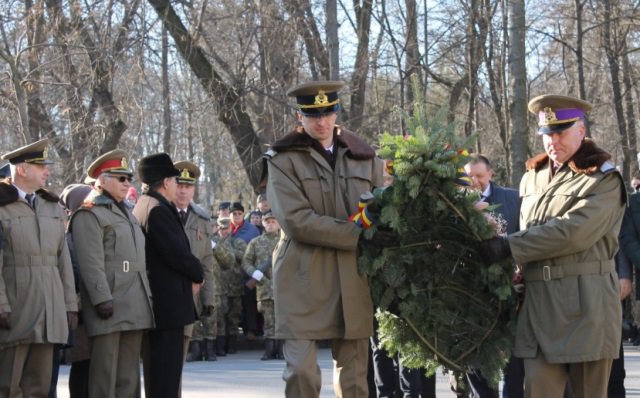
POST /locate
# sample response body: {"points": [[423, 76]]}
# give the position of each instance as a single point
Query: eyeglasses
{"points": [[122, 179]]}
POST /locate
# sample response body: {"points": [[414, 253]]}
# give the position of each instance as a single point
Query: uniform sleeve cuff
{"points": [[257, 275]]}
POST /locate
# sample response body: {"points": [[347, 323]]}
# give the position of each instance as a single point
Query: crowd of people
{"points": [[120, 278]]}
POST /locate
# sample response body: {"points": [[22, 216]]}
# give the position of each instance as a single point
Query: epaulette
{"points": [[607, 167], [270, 153], [202, 213]]}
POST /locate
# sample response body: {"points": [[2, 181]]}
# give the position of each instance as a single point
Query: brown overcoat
{"points": [[36, 277], [109, 248], [318, 291], [570, 224]]}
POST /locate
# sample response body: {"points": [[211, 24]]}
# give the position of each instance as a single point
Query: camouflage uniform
{"points": [[229, 251], [258, 257]]}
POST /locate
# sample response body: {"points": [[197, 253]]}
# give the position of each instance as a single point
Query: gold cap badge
{"points": [[549, 115], [321, 98]]}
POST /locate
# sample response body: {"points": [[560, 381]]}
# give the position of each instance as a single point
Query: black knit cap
{"points": [[236, 206], [156, 167]]}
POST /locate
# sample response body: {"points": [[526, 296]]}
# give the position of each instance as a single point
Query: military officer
{"points": [[316, 175], [109, 246], [197, 225], [38, 303], [573, 198], [229, 252], [257, 264]]}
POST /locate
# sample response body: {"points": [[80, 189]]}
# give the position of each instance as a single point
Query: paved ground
{"points": [[244, 375]]}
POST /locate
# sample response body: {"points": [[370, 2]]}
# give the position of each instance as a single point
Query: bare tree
{"points": [[518, 88]]}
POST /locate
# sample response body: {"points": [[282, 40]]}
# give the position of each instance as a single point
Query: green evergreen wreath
{"points": [[439, 305]]}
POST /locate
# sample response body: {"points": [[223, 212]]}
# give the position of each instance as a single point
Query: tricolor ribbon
{"points": [[362, 217]]}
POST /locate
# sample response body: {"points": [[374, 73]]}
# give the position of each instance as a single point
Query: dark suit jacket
{"points": [[509, 201], [630, 235], [171, 266]]}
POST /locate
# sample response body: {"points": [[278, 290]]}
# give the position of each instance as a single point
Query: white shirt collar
{"points": [[487, 192], [21, 193]]}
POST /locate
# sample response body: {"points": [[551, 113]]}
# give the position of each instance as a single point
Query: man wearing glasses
{"points": [[110, 249]]}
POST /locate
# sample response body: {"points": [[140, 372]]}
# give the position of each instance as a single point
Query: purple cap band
{"points": [[547, 116]]}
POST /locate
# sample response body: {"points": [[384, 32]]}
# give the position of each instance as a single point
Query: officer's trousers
{"points": [[548, 380], [114, 369], [25, 370], [303, 376]]}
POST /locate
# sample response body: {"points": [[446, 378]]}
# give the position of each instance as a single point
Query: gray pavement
{"points": [[244, 375]]}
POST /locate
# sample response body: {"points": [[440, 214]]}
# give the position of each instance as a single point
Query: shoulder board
{"points": [[607, 167], [202, 213], [270, 153]]}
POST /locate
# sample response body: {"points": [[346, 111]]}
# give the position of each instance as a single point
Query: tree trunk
{"points": [[579, 6], [166, 92], [361, 67], [611, 51], [333, 44], [518, 89], [226, 97], [631, 119]]}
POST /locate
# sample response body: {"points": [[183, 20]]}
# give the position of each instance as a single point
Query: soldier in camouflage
{"points": [[229, 252], [257, 263]]}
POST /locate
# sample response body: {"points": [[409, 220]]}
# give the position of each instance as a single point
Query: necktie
{"points": [[183, 216], [31, 200]]}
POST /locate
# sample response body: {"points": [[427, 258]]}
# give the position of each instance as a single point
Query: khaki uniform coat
{"points": [[36, 276], [570, 223], [318, 291], [199, 232], [260, 251], [109, 247]]}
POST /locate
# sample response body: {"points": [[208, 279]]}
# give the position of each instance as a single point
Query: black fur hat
{"points": [[156, 167]]}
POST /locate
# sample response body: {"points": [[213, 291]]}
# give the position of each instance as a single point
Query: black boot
{"points": [[269, 350], [232, 344], [194, 354], [210, 350], [279, 354], [220, 346]]}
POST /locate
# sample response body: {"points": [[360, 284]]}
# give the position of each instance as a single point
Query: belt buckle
{"points": [[125, 266], [546, 273]]}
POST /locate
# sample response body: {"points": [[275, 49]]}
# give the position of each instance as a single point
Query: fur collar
{"points": [[9, 193], [202, 213], [357, 148], [587, 160], [97, 198]]}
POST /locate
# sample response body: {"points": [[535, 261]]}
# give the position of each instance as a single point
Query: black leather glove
{"points": [[207, 310], [382, 238], [105, 309], [5, 320], [495, 249], [72, 320]]}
